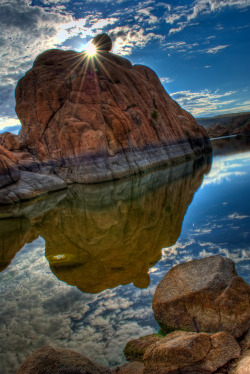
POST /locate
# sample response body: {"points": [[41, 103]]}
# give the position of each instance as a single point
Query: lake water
{"points": [[79, 267]]}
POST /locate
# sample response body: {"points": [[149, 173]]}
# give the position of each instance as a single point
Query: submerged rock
{"points": [[92, 119], [203, 295], [48, 360]]}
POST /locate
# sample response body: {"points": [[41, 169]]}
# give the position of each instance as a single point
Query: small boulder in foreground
{"points": [[48, 360], [203, 295]]}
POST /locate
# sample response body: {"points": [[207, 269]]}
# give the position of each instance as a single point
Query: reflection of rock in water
{"points": [[14, 233], [101, 236], [228, 146]]}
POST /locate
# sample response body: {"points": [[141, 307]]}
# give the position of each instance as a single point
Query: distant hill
{"points": [[227, 124]]}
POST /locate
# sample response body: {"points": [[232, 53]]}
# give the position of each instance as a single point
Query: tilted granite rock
{"points": [[190, 352], [48, 360], [93, 119], [203, 295]]}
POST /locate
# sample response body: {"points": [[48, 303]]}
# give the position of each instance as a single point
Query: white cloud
{"points": [[126, 38], [203, 102], [184, 16], [6, 122], [166, 80], [54, 2], [225, 168], [237, 216], [146, 15], [216, 49], [179, 46]]}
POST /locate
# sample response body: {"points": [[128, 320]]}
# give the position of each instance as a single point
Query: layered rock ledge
{"points": [[95, 119]]}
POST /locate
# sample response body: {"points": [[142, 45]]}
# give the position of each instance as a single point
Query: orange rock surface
{"points": [[96, 119]]}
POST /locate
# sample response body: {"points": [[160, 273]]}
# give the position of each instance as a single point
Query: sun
{"points": [[90, 49]]}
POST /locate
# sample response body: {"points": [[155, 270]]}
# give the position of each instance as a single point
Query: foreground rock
{"points": [[48, 360], [191, 353], [96, 119], [185, 352], [131, 368], [203, 295], [242, 365]]}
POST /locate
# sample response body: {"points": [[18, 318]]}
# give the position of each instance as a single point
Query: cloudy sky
{"points": [[199, 49]]}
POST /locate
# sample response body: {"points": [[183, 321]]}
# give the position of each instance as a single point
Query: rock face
{"points": [[187, 352], [203, 295], [92, 119], [29, 186], [48, 360]]}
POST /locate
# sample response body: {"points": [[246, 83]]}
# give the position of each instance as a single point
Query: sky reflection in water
{"points": [[138, 218]]}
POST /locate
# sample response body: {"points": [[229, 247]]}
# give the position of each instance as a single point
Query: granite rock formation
{"points": [[91, 119], [203, 295]]}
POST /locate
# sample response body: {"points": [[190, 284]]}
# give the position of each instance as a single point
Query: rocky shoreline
{"points": [[207, 292]]}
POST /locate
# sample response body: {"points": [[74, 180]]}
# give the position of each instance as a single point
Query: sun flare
{"points": [[90, 49]]}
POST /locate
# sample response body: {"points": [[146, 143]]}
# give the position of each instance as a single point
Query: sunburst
{"points": [[90, 49]]}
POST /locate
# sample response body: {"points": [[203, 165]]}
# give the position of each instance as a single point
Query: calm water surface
{"points": [[79, 268]]}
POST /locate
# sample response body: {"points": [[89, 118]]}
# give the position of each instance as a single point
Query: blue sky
{"points": [[199, 49]]}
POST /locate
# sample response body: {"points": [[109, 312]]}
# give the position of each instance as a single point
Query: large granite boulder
{"points": [[203, 295], [92, 119], [48, 360], [189, 352], [100, 118]]}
